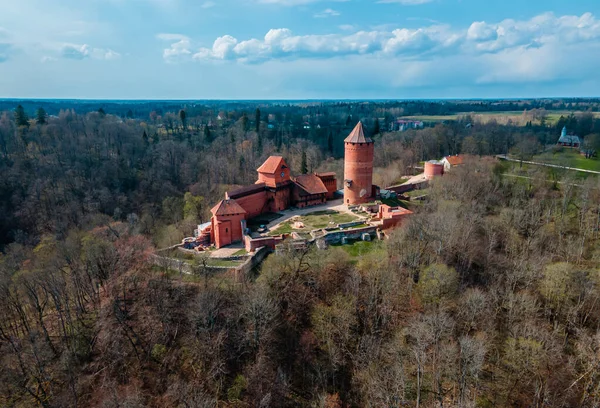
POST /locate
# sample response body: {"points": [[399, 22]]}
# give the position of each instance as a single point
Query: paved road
{"points": [[556, 166]]}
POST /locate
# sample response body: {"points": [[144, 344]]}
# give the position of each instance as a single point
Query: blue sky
{"points": [[299, 49]]}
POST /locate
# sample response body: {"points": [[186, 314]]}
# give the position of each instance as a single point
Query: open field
{"points": [[517, 117], [568, 158]]}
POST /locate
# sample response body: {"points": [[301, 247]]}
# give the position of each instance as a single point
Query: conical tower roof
{"points": [[358, 135]]}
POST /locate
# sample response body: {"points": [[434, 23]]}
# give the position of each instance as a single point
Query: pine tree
{"points": [[101, 112], [182, 117], [376, 129], [330, 142], [245, 122], [41, 116], [145, 138], [259, 143], [257, 118], [21, 118], [130, 114], [304, 165], [207, 134]]}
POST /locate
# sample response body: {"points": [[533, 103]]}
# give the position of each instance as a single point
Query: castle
{"points": [[277, 190]]}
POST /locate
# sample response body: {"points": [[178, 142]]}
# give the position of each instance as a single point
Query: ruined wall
{"points": [[252, 244]]}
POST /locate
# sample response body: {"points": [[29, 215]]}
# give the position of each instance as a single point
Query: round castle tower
{"points": [[358, 167]]}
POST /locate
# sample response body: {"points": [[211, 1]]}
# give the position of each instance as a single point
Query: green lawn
{"points": [[568, 158], [359, 248], [315, 220]]}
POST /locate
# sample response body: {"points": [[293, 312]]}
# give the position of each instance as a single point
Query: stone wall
{"points": [[355, 234]]}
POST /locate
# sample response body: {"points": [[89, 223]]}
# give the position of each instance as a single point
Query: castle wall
{"points": [[358, 167], [281, 198], [254, 204], [227, 229], [330, 183], [433, 170]]}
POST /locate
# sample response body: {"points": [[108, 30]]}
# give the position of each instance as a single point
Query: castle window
{"points": [[226, 229]]}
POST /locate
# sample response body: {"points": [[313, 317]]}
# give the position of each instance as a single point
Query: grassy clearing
{"points": [[284, 228], [568, 158], [315, 220], [360, 248], [240, 252]]}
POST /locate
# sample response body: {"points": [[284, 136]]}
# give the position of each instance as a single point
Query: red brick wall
{"points": [[358, 167], [254, 204], [281, 199], [252, 244], [272, 180], [228, 229], [331, 185], [433, 170]]}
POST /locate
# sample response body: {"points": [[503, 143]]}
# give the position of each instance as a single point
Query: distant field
{"points": [[516, 117], [568, 158]]}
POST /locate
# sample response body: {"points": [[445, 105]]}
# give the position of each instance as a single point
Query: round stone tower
{"points": [[358, 167]]}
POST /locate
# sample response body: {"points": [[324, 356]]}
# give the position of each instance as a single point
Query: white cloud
{"points": [[327, 13], [83, 51], [425, 42], [180, 49]]}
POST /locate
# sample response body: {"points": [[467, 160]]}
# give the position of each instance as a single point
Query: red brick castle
{"points": [[276, 190]]}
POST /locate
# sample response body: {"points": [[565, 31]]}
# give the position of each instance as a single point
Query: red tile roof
{"points": [[455, 160], [228, 207], [326, 174], [272, 165], [311, 184], [358, 135]]}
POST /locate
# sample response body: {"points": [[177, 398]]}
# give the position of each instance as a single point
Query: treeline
{"points": [[142, 109], [488, 296], [165, 172]]}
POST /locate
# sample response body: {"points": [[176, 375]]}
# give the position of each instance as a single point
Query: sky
{"points": [[299, 49]]}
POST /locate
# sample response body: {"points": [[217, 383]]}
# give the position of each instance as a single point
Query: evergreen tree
{"points": [[376, 129], [330, 142], [304, 165], [41, 116], [257, 118], [101, 112], [207, 134], [21, 118], [183, 117], [145, 137], [245, 122], [348, 120], [130, 114]]}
